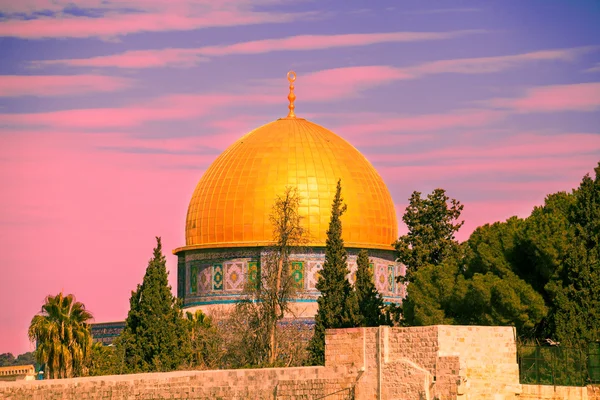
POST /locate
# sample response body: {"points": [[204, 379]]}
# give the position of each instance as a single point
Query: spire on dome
{"points": [[291, 97]]}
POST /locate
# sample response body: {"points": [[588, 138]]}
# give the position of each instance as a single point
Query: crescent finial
{"points": [[291, 97]]}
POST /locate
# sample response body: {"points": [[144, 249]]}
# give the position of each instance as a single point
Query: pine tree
{"points": [[370, 303], [155, 336], [432, 223], [574, 288], [338, 304]]}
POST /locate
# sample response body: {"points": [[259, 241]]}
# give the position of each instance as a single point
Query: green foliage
{"points": [[493, 293], [431, 226], [487, 299], [370, 303], [206, 342], [491, 248], [25, 358], [337, 304], [574, 288], [540, 274], [8, 359], [63, 336], [477, 288], [560, 255], [103, 360], [545, 240], [155, 337], [552, 365], [430, 296]]}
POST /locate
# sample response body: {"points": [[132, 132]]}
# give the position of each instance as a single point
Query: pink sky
{"points": [[111, 112]]}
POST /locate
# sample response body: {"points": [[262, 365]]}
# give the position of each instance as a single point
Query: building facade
{"points": [[106, 332], [228, 228]]}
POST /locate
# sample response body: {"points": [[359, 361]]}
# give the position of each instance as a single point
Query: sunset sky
{"points": [[110, 112]]}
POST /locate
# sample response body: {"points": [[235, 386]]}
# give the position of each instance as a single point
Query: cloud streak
{"points": [[469, 169], [59, 85], [523, 146], [485, 65], [575, 97], [187, 57], [337, 83], [442, 11], [423, 123], [595, 68], [151, 16], [167, 108]]}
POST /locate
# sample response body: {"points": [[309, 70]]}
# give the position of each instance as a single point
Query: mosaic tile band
{"points": [[216, 280]]}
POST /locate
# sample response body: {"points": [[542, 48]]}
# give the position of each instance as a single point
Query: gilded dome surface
{"points": [[232, 202]]}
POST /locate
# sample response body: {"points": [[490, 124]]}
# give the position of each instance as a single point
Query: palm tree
{"points": [[63, 337]]}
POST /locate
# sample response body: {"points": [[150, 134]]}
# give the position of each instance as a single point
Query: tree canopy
{"points": [[63, 336], [432, 223], [370, 303], [8, 359], [337, 304], [540, 274], [155, 337]]}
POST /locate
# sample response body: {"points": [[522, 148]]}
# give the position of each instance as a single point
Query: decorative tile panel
{"points": [[381, 278], [234, 275], [193, 279], [297, 270], [205, 279], [312, 273], [181, 276], [391, 279], [217, 277], [253, 273], [222, 276]]}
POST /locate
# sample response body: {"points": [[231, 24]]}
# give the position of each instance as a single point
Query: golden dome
{"points": [[232, 202]]}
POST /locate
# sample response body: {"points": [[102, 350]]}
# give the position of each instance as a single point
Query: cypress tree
{"points": [[337, 304], [370, 303], [155, 337]]}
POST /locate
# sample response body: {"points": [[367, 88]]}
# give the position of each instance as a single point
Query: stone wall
{"points": [[434, 362], [250, 384], [428, 362], [488, 358], [542, 392]]}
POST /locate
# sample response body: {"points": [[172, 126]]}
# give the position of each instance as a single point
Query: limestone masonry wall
{"points": [[433, 362], [252, 384], [444, 362], [488, 358], [541, 392]]}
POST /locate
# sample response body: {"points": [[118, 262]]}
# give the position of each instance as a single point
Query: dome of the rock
{"points": [[232, 202], [228, 219]]}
